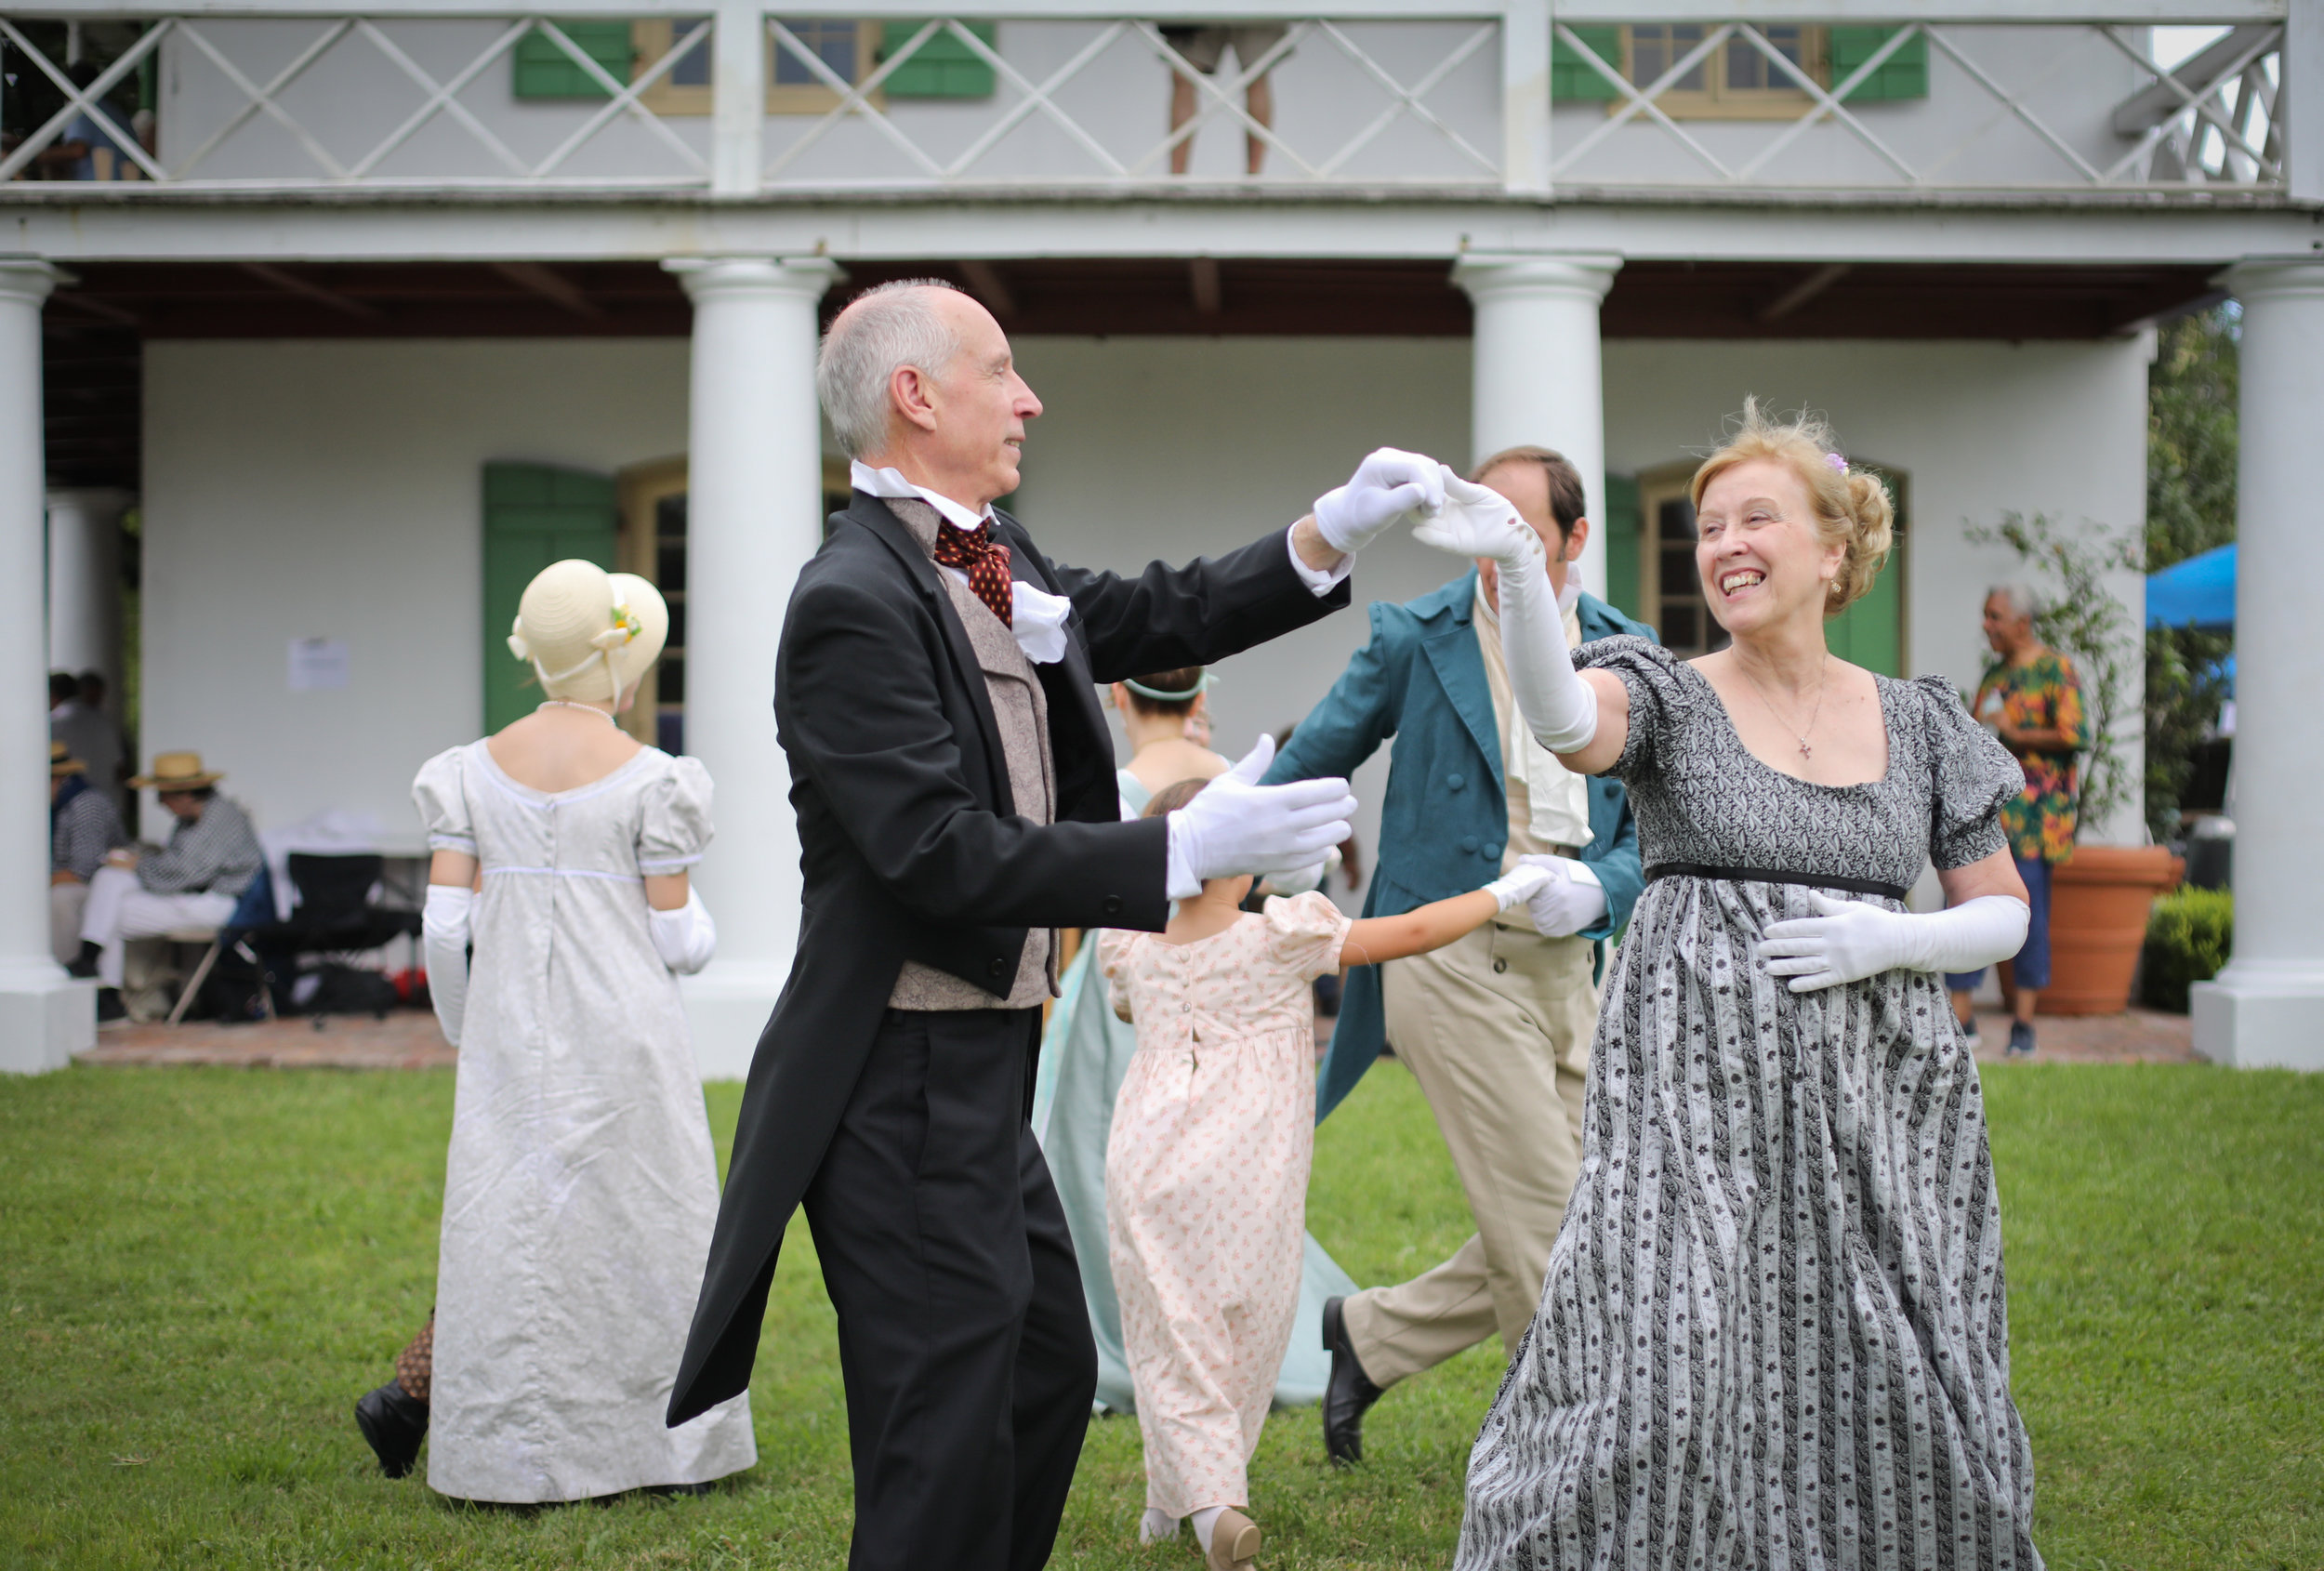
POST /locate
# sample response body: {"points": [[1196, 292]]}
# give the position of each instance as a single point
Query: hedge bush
{"points": [[2188, 940]]}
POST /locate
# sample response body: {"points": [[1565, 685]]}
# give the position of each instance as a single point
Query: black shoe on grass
{"points": [[394, 1422], [1349, 1393]]}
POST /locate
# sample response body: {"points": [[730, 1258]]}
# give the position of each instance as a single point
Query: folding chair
{"points": [[256, 909]]}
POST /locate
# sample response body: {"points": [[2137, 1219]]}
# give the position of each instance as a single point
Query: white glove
{"points": [[444, 925], [1520, 884], [1237, 825], [1386, 487], [685, 938], [1300, 880], [1571, 900], [1851, 940], [1560, 708]]}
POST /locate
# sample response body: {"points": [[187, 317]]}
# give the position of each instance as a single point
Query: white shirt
{"points": [[1039, 617]]}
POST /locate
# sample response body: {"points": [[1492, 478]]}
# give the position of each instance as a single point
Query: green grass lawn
{"points": [[200, 1269]]}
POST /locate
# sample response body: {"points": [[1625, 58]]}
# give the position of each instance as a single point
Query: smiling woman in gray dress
{"points": [[1772, 1333]]}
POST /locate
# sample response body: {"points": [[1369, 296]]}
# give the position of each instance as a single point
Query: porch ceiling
{"points": [[1650, 299], [97, 322]]}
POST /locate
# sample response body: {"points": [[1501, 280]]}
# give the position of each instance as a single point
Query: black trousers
{"points": [[963, 1335]]}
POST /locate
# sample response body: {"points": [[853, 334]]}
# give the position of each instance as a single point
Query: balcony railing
{"points": [[1474, 99]]}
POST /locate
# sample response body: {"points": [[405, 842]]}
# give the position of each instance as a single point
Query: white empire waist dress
{"points": [[581, 1186]]}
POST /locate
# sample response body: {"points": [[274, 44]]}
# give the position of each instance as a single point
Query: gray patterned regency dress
{"points": [[1774, 1333], [581, 1187]]}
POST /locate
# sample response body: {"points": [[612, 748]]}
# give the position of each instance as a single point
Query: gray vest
{"points": [[1021, 709]]}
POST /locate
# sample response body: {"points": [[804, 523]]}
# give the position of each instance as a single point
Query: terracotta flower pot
{"points": [[2099, 899]]}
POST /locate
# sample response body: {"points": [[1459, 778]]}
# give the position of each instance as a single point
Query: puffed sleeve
{"points": [[675, 825], [1304, 933], [440, 792], [1973, 776], [1659, 699], [1114, 965]]}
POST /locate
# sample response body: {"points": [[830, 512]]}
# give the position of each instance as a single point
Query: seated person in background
{"points": [[194, 881], [83, 825], [90, 732]]}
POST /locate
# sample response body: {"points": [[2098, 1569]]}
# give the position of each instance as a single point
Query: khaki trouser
{"points": [[1496, 1028]]}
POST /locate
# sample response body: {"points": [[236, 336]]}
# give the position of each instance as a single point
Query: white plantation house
{"points": [[407, 299]]}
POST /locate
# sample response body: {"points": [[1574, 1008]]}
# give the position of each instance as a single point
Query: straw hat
{"points": [[61, 762], [588, 633], [177, 772]]}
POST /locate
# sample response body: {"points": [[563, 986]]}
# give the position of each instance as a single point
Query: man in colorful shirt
{"points": [[2033, 702]]}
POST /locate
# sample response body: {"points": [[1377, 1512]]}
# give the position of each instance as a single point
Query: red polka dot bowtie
{"points": [[986, 560]]}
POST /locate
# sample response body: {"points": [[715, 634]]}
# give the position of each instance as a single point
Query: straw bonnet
{"points": [[588, 633], [61, 762], [177, 772]]}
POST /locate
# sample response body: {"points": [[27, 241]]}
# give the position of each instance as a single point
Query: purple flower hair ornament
{"points": [[1838, 463]]}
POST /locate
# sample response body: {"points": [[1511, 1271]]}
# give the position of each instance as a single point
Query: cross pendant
{"points": [[1805, 751]]}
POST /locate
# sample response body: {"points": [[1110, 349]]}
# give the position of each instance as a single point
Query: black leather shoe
{"points": [[394, 1421], [1350, 1393], [110, 1006], [84, 965]]}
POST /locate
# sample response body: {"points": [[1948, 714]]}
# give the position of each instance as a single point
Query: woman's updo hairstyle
{"points": [[1851, 505]]}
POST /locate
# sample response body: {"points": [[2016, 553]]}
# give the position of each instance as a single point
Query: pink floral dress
{"points": [[1206, 1182]]}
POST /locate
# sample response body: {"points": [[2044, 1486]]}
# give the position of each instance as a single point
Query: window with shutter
{"points": [[545, 70], [941, 68], [1619, 519], [534, 515]]}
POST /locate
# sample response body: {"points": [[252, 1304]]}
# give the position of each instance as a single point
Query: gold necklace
{"points": [[1823, 679]]}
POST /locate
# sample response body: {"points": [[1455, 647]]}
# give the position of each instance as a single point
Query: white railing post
{"points": [[1525, 97], [738, 98], [2300, 102]]}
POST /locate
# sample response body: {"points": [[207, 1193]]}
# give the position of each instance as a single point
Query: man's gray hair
{"points": [[892, 325], [2021, 600]]}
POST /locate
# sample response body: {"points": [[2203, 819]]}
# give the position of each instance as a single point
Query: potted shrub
{"points": [[2099, 896], [2188, 940]]}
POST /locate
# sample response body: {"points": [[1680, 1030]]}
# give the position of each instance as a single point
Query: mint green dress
{"points": [[1085, 1052]]}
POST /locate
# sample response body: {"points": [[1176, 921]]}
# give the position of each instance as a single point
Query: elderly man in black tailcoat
{"points": [[954, 782]]}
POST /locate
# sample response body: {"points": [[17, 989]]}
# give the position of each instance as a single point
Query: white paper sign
{"points": [[318, 664]]}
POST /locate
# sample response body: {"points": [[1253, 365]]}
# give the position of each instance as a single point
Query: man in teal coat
{"points": [[1497, 1026]]}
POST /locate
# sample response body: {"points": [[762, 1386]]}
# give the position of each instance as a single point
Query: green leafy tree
{"points": [[2191, 437]]}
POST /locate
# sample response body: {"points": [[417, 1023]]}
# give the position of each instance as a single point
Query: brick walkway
{"points": [[408, 1039]]}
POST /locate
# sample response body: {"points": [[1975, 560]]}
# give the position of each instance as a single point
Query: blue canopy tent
{"points": [[2198, 592]]}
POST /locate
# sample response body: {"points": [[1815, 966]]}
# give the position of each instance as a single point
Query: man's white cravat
{"points": [[1039, 617]]}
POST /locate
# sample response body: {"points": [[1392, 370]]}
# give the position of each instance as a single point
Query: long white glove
{"points": [[1520, 884], [1851, 940], [1387, 486], [685, 938], [1571, 900], [1237, 825], [443, 924], [1559, 707]]}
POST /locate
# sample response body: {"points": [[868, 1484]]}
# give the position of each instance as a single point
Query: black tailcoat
{"points": [[908, 843]]}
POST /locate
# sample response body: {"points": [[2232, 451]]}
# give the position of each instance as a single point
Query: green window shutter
{"points": [[534, 515], [1904, 74], [941, 68], [1871, 632], [545, 70], [1571, 77], [1619, 520]]}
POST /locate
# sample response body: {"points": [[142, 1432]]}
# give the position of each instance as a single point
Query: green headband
{"points": [[1194, 691]]}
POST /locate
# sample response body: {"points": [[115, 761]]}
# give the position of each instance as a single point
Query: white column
{"points": [[45, 1016], [753, 515], [738, 98], [1535, 367], [2267, 1007], [84, 582]]}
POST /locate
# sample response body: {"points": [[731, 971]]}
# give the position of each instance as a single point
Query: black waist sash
{"points": [[1774, 876]]}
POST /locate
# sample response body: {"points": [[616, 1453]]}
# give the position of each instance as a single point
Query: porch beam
{"points": [[290, 283], [550, 286], [2128, 13]]}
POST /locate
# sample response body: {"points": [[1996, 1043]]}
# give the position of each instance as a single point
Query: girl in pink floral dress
{"points": [[1205, 1167]]}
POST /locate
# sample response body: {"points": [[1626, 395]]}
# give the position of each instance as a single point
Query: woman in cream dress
{"points": [[581, 1186]]}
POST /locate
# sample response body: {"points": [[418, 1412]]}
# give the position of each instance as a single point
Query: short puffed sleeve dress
{"points": [[581, 1187], [1206, 1182], [1773, 1331]]}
